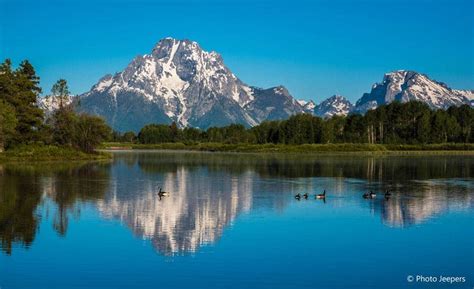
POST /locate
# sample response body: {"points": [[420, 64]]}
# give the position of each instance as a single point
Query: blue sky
{"points": [[315, 48]]}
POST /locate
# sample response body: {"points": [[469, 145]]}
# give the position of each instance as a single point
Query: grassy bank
{"points": [[33, 153], [306, 148]]}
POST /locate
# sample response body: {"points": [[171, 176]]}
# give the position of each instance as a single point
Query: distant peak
{"points": [[281, 90], [167, 46], [170, 41], [401, 73], [336, 97]]}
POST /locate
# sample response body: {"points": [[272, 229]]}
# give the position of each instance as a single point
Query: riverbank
{"points": [[305, 148], [32, 153]]}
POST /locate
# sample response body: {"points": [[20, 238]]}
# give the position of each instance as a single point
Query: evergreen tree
{"points": [[63, 120], [8, 88], [464, 116], [8, 123], [175, 132], [444, 127], [60, 92], [62, 123], [20, 89]]}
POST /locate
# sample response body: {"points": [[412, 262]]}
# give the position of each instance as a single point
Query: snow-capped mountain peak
{"points": [[49, 103], [179, 81], [308, 106], [334, 105], [406, 85], [182, 82]]}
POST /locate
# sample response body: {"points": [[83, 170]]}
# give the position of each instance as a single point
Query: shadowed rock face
{"points": [[273, 104], [181, 82]]}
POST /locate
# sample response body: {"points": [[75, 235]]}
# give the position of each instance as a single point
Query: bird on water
{"points": [[321, 196], [163, 193]]}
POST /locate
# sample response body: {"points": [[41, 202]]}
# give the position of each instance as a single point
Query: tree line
{"points": [[396, 123], [22, 122]]}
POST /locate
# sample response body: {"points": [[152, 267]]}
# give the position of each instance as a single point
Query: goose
{"points": [[387, 194], [163, 193], [321, 196], [298, 196], [305, 196], [366, 195], [372, 194]]}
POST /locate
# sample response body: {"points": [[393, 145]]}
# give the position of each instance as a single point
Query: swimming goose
{"points": [[387, 194], [321, 196], [163, 193], [367, 195], [372, 194], [298, 196], [305, 196]]}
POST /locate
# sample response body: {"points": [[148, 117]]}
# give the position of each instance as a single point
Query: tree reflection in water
{"points": [[209, 191], [25, 187]]}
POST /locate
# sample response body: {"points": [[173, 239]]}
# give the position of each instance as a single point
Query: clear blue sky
{"points": [[315, 48]]}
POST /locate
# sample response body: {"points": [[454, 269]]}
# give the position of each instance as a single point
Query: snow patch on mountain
{"points": [[334, 105], [49, 103], [405, 85], [182, 83]]}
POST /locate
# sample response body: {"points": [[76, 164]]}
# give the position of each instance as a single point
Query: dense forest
{"points": [[22, 122], [395, 123]]}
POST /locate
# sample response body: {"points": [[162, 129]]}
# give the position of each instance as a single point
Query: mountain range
{"points": [[180, 82]]}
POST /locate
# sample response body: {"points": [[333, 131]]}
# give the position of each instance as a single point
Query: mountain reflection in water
{"points": [[209, 191]]}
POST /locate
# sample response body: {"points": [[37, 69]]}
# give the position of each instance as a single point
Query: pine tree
{"points": [[8, 123], [60, 92], [20, 89]]}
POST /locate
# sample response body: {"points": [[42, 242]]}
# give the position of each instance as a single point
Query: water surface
{"points": [[231, 221]]}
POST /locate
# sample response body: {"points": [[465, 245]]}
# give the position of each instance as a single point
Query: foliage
{"points": [[395, 123], [36, 152], [20, 89], [412, 123], [62, 124], [128, 136], [22, 122], [304, 148], [89, 132], [8, 123], [60, 92]]}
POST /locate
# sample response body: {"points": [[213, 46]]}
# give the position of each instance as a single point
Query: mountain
{"points": [[308, 106], [272, 104], [178, 81], [404, 86], [334, 105], [49, 103]]}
